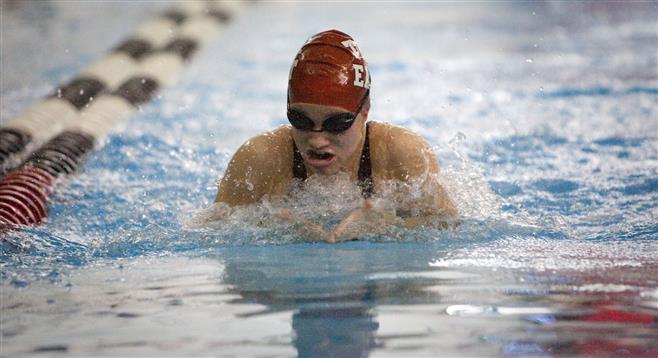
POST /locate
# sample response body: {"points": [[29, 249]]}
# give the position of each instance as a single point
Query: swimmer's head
{"points": [[330, 70]]}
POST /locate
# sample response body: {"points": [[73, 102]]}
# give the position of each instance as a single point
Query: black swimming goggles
{"points": [[334, 124]]}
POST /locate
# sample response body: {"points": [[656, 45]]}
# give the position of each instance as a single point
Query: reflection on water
{"points": [[355, 306], [352, 299], [334, 307], [343, 332]]}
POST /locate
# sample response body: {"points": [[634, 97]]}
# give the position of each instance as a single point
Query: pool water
{"points": [[544, 117]]}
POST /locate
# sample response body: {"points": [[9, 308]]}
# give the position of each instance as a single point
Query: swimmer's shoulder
{"points": [[261, 166], [268, 150], [400, 152]]}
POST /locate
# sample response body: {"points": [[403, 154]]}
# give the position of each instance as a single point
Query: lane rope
{"points": [[51, 138]]}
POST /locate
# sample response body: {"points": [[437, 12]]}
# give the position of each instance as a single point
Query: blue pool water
{"points": [[544, 117]]}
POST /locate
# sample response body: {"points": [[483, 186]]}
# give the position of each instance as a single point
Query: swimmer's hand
{"points": [[308, 230], [365, 220]]}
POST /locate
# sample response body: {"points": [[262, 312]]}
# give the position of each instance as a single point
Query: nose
{"points": [[318, 140]]}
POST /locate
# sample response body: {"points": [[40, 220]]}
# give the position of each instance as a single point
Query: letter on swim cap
{"points": [[352, 46]]}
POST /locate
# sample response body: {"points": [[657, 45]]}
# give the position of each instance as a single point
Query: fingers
{"points": [[313, 232], [283, 215], [343, 225]]}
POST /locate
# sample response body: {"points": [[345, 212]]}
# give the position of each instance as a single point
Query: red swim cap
{"points": [[329, 70]]}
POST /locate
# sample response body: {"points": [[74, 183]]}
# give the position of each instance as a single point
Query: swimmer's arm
{"points": [[308, 230], [436, 213], [414, 162], [249, 175], [252, 173], [371, 220], [363, 221]]}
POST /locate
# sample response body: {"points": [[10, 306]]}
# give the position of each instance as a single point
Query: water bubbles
{"points": [[130, 152], [454, 142], [457, 139], [528, 60]]}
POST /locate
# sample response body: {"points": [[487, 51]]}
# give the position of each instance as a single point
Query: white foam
{"points": [[551, 254], [601, 287]]}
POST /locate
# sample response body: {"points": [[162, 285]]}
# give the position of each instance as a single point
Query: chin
{"points": [[327, 171]]}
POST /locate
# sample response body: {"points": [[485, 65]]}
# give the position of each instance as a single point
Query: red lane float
{"points": [[26, 185], [24, 194], [36, 201], [7, 219]]}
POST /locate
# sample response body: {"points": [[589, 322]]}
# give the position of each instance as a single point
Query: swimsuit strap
{"points": [[365, 168], [298, 168]]}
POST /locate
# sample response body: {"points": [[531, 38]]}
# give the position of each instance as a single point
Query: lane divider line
{"points": [[179, 30], [54, 135]]}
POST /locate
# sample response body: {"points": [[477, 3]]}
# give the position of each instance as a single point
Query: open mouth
{"points": [[319, 155], [319, 158]]}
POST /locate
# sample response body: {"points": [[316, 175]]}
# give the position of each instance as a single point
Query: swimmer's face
{"points": [[324, 152]]}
